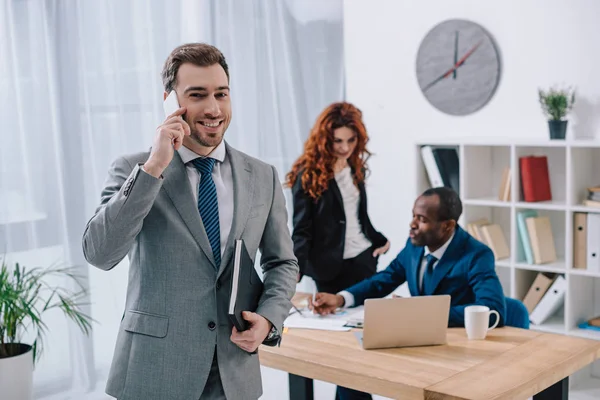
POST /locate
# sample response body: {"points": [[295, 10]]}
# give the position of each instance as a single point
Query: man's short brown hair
{"points": [[200, 54]]}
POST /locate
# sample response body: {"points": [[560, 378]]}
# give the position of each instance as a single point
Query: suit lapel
{"points": [[448, 260], [335, 189], [413, 272], [177, 186], [243, 194]]}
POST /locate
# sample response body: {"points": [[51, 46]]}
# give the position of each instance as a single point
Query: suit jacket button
{"points": [[218, 285], [212, 325]]}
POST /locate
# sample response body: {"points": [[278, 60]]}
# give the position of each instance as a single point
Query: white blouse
{"points": [[355, 242]]}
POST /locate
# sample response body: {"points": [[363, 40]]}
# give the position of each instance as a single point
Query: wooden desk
{"points": [[509, 364]]}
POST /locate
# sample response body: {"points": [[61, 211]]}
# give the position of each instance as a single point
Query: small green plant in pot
{"points": [[25, 296], [556, 104]]}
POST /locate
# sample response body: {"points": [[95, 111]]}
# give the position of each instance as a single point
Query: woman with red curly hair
{"points": [[334, 239]]}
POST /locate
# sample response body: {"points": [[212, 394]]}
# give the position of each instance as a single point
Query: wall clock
{"points": [[458, 67]]}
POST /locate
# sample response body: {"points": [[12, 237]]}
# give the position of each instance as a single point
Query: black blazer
{"points": [[320, 229]]}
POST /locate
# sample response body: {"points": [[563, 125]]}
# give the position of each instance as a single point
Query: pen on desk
{"points": [[298, 310]]}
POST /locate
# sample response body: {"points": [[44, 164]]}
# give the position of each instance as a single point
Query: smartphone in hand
{"points": [[171, 104]]}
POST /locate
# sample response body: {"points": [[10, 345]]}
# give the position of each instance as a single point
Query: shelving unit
{"points": [[573, 167]]}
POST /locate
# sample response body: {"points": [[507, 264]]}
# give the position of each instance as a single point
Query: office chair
{"points": [[516, 314]]}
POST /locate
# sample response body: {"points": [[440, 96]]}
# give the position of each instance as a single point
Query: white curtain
{"points": [[80, 85]]}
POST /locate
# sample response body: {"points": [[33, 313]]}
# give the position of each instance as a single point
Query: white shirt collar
{"points": [[188, 155], [439, 252]]}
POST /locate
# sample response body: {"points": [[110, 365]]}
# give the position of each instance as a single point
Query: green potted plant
{"points": [[25, 295], [556, 104]]}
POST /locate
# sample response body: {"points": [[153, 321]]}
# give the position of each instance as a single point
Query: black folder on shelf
{"points": [[447, 161], [246, 286]]}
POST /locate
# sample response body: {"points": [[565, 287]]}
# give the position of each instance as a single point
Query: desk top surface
{"points": [[510, 363]]}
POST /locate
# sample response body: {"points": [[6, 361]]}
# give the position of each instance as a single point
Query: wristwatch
{"points": [[273, 334]]}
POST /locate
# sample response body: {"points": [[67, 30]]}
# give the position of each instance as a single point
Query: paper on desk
{"points": [[296, 321], [331, 322]]}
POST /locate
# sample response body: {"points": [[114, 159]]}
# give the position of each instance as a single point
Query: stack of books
{"points": [[535, 237], [593, 197]]}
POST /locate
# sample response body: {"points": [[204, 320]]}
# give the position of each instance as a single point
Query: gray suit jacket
{"points": [[177, 303]]}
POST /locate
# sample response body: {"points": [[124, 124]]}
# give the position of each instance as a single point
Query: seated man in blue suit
{"points": [[439, 258]]}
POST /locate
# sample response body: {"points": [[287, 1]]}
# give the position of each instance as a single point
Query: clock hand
{"points": [[458, 64], [455, 53]]}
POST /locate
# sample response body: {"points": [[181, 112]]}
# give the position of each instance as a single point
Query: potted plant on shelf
{"points": [[556, 104], [25, 295]]}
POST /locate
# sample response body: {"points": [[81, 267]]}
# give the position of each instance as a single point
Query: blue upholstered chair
{"points": [[516, 314]]}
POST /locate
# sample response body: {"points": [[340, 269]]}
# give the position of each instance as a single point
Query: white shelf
{"points": [[484, 141], [542, 205], [584, 272], [486, 201], [555, 324], [555, 267], [585, 333], [586, 209]]}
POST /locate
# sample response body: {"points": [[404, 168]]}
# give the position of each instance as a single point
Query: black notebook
{"points": [[246, 286]]}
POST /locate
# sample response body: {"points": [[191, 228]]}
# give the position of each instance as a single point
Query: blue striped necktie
{"points": [[208, 205]]}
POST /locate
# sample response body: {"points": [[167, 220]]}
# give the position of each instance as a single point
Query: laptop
{"points": [[405, 322]]}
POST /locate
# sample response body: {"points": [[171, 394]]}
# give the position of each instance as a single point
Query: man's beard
{"points": [[208, 141]]}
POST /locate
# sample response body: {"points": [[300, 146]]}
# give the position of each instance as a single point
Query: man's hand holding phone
{"points": [[169, 137]]}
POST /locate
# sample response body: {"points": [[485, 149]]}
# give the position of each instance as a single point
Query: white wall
{"points": [[542, 42]]}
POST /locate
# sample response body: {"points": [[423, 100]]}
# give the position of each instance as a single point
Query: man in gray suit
{"points": [[177, 211]]}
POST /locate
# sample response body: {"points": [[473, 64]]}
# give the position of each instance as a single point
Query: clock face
{"points": [[458, 67]]}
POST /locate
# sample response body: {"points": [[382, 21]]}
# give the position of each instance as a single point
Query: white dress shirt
{"points": [[223, 179], [355, 241], [349, 298]]}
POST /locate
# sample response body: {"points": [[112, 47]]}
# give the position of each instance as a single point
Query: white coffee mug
{"points": [[477, 321]]}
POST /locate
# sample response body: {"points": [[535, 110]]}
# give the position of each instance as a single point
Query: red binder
{"points": [[535, 181]]}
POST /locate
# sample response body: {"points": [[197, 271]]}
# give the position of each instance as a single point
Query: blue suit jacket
{"points": [[466, 272]]}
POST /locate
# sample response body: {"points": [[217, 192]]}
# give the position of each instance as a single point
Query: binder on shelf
{"points": [[535, 180], [580, 234], [495, 239], [433, 172], [541, 239], [442, 166], [524, 233], [537, 290], [246, 287], [593, 242], [550, 302]]}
